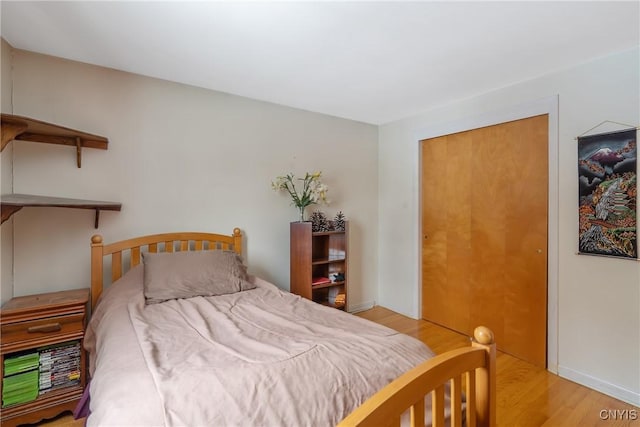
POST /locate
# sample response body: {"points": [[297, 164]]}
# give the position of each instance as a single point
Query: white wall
{"points": [[6, 179], [598, 298], [179, 158]]}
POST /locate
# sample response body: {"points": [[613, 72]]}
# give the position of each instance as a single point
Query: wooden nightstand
{"points": [[35, 321]]}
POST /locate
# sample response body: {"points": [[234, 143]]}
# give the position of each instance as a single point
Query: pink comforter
{"points": [[261, 357]]}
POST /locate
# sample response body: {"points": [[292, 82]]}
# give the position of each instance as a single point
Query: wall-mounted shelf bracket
{"points": [[79, 151], [8, 210]]}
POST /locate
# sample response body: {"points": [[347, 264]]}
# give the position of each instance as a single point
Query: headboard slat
{"points": [[198, 246], [184, 245], [168, 246], [135, 256], [153, 248], [116, 266]]}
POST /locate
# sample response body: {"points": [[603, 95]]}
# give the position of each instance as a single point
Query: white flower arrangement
{"points": [[313, 190]]}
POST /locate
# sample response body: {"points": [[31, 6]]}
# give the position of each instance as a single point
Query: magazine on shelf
{"points": [[320, 280]]}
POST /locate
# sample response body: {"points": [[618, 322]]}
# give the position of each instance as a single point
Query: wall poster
{"points": [[608, 194]]}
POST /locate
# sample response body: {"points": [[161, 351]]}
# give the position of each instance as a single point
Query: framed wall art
{"points": [[607, 175]]}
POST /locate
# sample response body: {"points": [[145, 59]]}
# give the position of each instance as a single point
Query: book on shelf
{"points": [[20, 397], [65, 366], [60, 350], [20, 363], [59, 366], [45, 387], [320, 280], [38, 371], [61, 376], [336, 254], [20, 388], [56, 387], [17, 381]]}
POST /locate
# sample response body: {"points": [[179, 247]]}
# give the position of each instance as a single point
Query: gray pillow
{"points": [[171, 275]]}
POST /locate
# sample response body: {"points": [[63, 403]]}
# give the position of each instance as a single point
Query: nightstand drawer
{"points": [[35, 329]]}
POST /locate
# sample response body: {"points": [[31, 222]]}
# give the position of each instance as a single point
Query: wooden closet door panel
{"points": [[436, 301], [458, 190], [488, 213], [525, 289], [446, 227]]}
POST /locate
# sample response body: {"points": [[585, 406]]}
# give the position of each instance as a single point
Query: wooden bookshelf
{"points": [[318, 254]]}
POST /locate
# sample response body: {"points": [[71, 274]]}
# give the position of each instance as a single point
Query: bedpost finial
{"points": [[96, 239], [483, 335], [236, 232]]}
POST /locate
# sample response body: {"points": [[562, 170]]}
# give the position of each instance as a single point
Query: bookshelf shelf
{"points": [[327, 260], [326, 285]]}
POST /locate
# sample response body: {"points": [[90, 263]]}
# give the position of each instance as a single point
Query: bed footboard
{"points": [[473, 366]]}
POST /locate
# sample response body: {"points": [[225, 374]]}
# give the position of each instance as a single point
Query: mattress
{"points": [[260, 357]]}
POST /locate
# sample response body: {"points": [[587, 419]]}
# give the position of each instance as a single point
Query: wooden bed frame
{"points": [[474, 366]]}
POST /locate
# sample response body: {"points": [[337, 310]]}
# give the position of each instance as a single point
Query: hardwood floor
{"points": [[527, 396], [63, 420]]}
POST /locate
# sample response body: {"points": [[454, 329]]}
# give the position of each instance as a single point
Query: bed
{"points": [[166, 350]]}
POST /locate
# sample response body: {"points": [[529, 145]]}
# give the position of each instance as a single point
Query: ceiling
{"points": [[373, 62]]}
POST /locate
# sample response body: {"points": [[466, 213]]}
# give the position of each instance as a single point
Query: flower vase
{"points": [[301, 208]]}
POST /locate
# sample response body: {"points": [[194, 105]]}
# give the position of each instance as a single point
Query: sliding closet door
{"points": [[484, 220], [446, 226]]}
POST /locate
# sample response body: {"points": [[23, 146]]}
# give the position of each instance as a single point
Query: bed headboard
{"points": [[166, 242]]}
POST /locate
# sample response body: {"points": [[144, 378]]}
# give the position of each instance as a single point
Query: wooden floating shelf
{"points": [[12, 203], [26, 129]]}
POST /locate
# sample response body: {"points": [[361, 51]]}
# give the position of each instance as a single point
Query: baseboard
{"points": [[355, 308], [609, 389]]}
